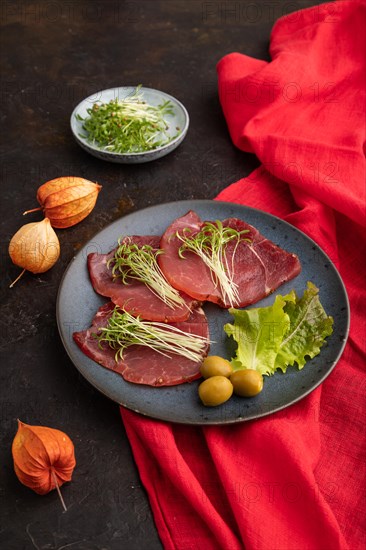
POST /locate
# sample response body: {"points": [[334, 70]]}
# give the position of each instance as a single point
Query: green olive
{"points": [[247, 382], [213, 365], [215, 390]]}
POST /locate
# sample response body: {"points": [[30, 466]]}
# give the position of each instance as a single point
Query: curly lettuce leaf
{"points": [[309, 326], [258, 333], [289, 332]]}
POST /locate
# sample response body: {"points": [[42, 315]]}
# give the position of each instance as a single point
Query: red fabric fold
{"points": [[293, 480], [303, 114]]}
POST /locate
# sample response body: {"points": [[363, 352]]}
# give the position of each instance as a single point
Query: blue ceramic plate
{"points": [[77, 304], [180, 120]]}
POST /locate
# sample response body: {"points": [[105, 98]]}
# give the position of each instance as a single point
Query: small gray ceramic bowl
{"points": [[180, 120]]}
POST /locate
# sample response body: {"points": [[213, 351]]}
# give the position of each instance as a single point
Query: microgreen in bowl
{"points": [[128, 125]]}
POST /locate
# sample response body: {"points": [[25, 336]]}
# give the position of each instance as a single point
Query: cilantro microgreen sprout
{"points": [[128, 125], [210, 245], [124, 330], [132, 261]]}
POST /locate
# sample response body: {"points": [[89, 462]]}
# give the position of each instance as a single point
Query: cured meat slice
{"points": [[140, 364], [259, 266], [135, 297]]}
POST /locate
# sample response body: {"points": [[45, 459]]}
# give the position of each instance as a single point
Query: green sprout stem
{"points": [[131, 261], [129, 125], [124, 330], [210, 245]]}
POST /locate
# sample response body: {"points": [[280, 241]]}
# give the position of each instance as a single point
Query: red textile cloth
{"points": [[293, 480]]}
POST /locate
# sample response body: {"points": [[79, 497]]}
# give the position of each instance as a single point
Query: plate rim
{"points": [[139, 154], [190, 204]]}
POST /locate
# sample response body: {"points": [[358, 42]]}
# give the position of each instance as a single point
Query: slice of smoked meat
{"points": [[135, 297], [142, 365], [258, 265]]}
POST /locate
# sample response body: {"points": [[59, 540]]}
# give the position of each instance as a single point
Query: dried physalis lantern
{"points": [[43, 457], [34, 247], [67, 200]]}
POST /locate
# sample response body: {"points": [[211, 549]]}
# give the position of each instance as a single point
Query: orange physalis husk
{"points": [[66, 201], [44, 458], [34, 247]]}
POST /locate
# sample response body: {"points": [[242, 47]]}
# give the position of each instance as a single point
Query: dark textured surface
{"points": [[53, 55]]}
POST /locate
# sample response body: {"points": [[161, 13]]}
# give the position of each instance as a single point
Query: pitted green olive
{"points": [[247, 382], [213, 365], [215, 390]]}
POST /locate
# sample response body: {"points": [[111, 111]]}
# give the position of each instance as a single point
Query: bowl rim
{"points": [[178, 138]]}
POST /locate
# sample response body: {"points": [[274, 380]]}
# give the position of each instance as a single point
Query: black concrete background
{"points": [[54, 53]]}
